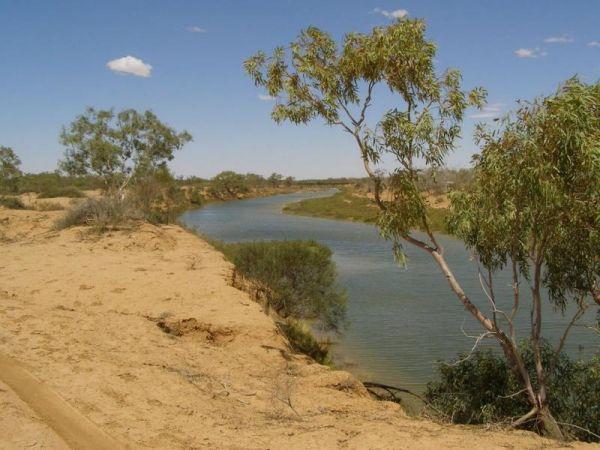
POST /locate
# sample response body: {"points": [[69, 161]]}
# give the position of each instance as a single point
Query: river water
{"points": [[402, 321]]}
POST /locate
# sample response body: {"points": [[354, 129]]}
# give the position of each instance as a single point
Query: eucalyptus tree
{"points": [[118, 147], [314, 77], [534, 207], [228, 184], [10, 171]]}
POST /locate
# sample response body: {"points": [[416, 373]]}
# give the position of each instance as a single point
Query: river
{"points": [[402, 321]]}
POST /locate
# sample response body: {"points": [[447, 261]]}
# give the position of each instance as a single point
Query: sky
{"points": [[183, 60]]}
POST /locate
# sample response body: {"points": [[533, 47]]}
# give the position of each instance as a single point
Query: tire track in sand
{"points": [[74, 428]]}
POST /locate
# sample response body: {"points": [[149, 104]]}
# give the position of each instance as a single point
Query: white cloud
{"points": [[594, 44], [195, 29], [396, 14], [563, 39], [489, 111], [130, 65], [265, 98], [530, 53]]}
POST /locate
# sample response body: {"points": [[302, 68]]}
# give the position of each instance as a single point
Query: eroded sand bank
{"points": [[140, 332]]}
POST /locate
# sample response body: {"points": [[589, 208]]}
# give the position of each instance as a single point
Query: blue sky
{"points": [[54, 57]]}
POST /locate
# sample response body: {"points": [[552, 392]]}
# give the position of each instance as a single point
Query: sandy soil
{"points": [[137, 337]]}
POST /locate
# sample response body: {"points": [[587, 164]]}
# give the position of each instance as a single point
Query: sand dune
{"points": [[139, 337]]}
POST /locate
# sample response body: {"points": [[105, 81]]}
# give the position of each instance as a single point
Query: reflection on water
{"points": [[401, 321]]}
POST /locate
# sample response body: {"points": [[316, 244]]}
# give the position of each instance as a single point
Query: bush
{"points": [[61, 191], [300, 277], [102, 213], [12, 203], [302, 340], [195, 196], [482, 390], [158, 197]]}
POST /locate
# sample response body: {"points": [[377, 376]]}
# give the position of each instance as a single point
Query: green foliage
{"points": [[228, 185], [61, 191], [195, 196], [49, 181], [118, 147], [299, 276], [157, 196], [154, 197], [536, 195], [536, 192], [10, 173], [100, 213], [482, 389], [275, 179], [11, 202], [254, 180], [303, 340], [317, 78]]}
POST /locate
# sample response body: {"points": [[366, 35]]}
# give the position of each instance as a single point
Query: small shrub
{"points": [[302, 340], [299, 281], [482, 390], [12, 203], [300, 276], [102, 213], [157, 197], [61, 191], [48, 206]]}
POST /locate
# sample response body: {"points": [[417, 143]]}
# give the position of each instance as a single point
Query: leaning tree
{"points": [[119, 147], [315, 78]]}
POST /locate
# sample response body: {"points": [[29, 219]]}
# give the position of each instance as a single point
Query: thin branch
{"points": [[366, 104], [478, 340], [513, 395], [579, 428], [578, 314], [525, 418]]}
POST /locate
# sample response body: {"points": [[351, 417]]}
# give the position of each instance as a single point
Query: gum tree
{"points": [[228, 184], [118, 147], [315, 78], [534, 207]]}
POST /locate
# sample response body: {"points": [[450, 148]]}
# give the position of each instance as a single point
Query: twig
{"points": [[579, 428]]}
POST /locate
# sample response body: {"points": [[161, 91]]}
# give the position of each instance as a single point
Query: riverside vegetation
{"points": [[299, 282], [532, 206], [350, 205]]}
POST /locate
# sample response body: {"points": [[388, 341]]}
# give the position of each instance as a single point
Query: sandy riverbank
{"points": [[137, 337]]}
